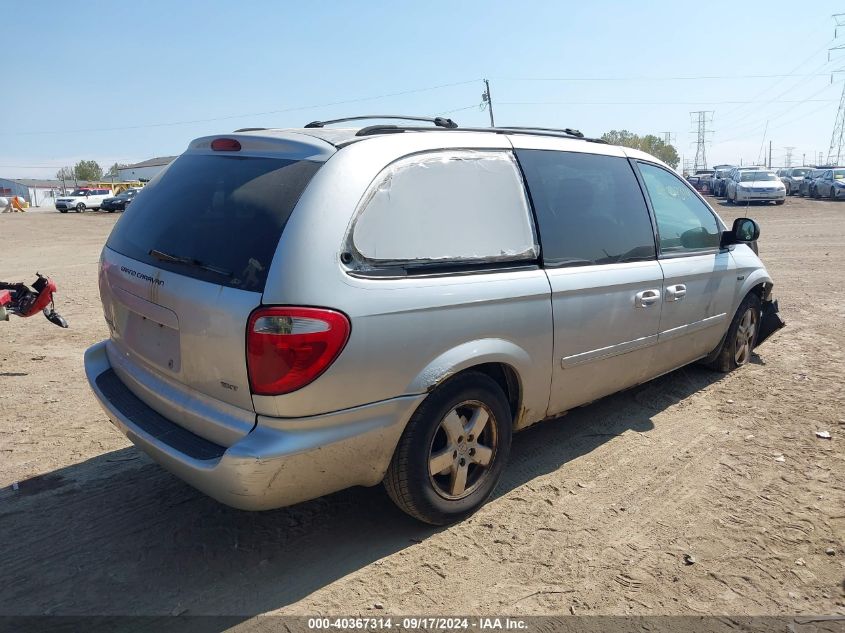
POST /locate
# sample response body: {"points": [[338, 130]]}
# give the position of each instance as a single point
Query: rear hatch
{"points": [[185, 266]]}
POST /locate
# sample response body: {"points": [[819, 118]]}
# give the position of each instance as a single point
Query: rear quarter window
{"points": [[457, 206]]}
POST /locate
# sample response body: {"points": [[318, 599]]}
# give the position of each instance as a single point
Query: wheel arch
{"points": [[503, 361], [758, 282]]}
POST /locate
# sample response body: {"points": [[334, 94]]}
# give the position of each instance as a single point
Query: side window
{"points": [[589, 207], [452, 206], [684, 222]]}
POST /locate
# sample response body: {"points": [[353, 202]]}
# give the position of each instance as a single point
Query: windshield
{"points": [[79, 192], [758, 175], [800, 172], [223, 215]]}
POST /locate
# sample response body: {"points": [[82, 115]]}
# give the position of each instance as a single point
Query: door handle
{"points": [[646, 298], [676, 292]]}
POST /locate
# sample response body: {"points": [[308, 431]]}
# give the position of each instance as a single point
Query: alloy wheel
{"points": [[462, 450], [745, 336]]}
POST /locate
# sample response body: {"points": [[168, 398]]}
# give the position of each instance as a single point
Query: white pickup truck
{"points": [[81, 199]]}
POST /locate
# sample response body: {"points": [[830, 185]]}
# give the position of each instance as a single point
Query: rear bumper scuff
{"points": [[282, 461]]}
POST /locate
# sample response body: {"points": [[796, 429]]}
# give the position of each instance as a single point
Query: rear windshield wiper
{"points": [[188, 261]]}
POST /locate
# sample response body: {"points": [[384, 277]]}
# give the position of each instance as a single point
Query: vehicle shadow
{"points": [[116, 534]]}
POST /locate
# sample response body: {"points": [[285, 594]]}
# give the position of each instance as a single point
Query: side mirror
{"points": [[744, 231]]}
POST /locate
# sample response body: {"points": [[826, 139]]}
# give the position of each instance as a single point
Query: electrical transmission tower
{"points": [[788, 159], [667, 137], [836, 152], [700, 119]]}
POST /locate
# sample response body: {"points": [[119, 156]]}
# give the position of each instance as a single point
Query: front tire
{"points": [[739, 342], [80, 207], [453, 450]]}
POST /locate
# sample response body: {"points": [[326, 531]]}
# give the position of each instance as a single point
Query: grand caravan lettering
{"points": [[142, 276]]}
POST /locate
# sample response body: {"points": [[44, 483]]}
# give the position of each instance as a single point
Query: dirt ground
{"points": [[595, 514]]}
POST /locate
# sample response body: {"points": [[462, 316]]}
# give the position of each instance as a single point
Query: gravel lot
{"points": [[595, 515]]}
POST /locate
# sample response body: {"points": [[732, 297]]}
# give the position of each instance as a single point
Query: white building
{"points": [[146, 169]]}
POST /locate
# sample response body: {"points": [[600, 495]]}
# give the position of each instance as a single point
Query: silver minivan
{"points": [[293, 312]]}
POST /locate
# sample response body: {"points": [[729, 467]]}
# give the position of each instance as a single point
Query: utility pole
{"points": [[700, 119], [487, 98], [804, 159], [788, 160], [770, 154]]}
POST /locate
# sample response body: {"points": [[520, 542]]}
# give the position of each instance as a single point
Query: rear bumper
{"points": [[282, 461]]}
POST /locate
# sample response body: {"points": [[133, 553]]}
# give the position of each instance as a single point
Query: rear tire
{"points": [[465, 426], [735, 350]]}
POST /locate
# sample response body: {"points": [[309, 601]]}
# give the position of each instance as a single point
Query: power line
{"points": [[646, 78], [791, 74], [241, 116], [755, 130], [739, 119], [652, 103]]}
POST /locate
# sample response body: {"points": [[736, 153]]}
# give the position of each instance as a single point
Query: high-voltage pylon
{"points": [[700, 119], [836, 152], [788, 161], [837, 139]]}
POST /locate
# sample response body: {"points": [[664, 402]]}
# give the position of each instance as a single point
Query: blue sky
{"points": [[75, 71]]}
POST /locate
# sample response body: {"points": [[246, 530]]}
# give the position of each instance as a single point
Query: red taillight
{"points": [[226, 145], [287, 348]]}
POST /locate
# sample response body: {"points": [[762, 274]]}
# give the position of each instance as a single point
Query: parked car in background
{"points": [[831, 184], [120, 201], [806, 185], [264, 299], [81, 199], [756, 186], [700, 182], [720, 180], [792, 177]]}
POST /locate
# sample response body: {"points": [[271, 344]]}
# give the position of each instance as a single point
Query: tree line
{"points": [[88, 170], [649, 143]]}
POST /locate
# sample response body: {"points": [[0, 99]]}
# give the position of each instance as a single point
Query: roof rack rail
{"points": [[533, 131], [568, 130], [438, 121]]}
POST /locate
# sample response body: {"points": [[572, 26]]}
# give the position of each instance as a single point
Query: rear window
{"points": [[215, 218]]}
